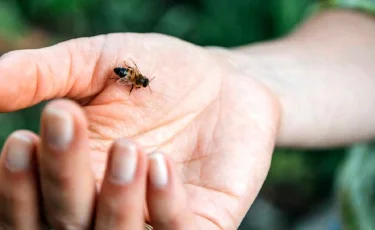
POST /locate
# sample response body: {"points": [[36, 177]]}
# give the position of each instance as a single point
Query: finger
{"points": [[122, 198], [65, 69], [68, 185], [166, 197], [19, 207]]}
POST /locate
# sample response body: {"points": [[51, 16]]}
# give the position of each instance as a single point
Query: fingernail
{"points": [[158, 170], [18, 156], [124, 162], [58, 127]]}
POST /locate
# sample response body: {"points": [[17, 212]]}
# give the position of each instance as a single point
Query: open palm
{"points": [[216, 123]]}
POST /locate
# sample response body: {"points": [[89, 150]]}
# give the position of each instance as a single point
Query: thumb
{"points": [[67, 69]]}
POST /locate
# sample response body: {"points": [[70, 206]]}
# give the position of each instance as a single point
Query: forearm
{"points": [[324, 77]]}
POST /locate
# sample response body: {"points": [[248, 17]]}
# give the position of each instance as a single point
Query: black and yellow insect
{"points": [[132, 76]]}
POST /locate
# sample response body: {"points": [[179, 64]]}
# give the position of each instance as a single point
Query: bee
{"points": [[132, 76]]}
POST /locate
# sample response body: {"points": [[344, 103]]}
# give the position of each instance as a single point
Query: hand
{"points": [[218, 124], [120, 204]]}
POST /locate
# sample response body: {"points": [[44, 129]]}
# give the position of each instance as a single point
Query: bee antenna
{"points": [[149, 84]]}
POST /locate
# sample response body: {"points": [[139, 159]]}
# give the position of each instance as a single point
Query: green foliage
{"points": [[289, 13], [68, 15], [10, 122], [299, 179], [12, 25], [203, 22], [356, 188], [304, 166]]}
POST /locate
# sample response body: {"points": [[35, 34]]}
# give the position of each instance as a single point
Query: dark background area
{"points": [[305, 190]]}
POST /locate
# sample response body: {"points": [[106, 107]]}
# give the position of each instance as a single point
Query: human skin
{"points": [[216, 113], [323, 75], [199, 114]]}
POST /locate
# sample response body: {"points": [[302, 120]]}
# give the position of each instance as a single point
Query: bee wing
{"points": [[123, 81]]}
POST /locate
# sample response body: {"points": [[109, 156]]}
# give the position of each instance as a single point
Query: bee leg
{"points": [[131, 90]]}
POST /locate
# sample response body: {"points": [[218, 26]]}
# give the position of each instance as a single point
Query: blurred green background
{"points": [[305, 190]]}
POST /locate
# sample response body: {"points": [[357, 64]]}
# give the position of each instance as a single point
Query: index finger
{"points": [[69, 69]]}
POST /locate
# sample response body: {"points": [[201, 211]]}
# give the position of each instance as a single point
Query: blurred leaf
{"points": [[356, 188], [288, 13], [233, 23], [179, 21], [126, 16], [12, 25], [68, 16]]}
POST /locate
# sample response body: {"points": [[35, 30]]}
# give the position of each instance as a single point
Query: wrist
{"points": [[243, 69], [323, 85]]}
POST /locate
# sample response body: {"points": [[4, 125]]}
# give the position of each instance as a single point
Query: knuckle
{"points": [[10, 200], [115, 210], [57, 178]]}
